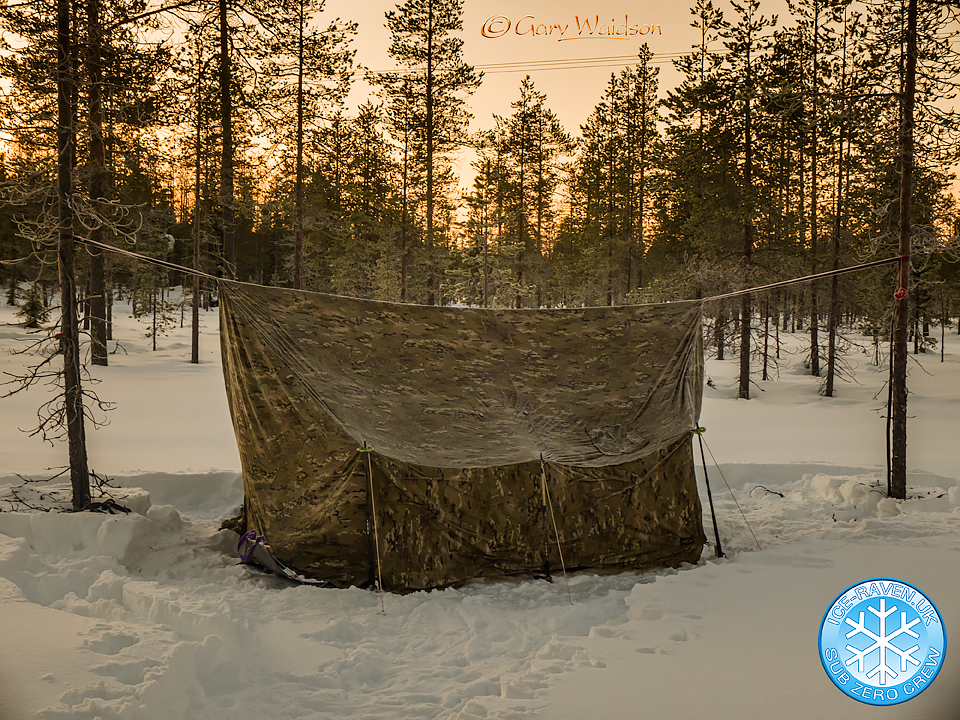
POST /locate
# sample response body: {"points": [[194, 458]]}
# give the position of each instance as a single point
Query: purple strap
{"points": [[250, 538]]}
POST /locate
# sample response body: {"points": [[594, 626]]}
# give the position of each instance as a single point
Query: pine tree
{"points": [[34, 310], [198, 146], [434, 79], [363, 245], [639, 107], [698, 211], [532, 143], [51, 114], [619, 145], [588, 230], [69, 325], [483, 267], [744, 40], [118, 65], [98, 181], [815, 46], [309, 71], [915, 64], [242, 27], [40, 112], [851, 31]]}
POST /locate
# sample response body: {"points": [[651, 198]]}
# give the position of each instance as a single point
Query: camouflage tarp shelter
{"points": [[459, 406]]}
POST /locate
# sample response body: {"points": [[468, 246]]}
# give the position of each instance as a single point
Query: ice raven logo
{"points": [[882, 641]]}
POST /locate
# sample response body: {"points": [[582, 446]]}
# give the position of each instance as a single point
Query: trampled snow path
{"points": [[150, 616]]}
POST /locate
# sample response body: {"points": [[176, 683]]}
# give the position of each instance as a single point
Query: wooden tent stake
{"points": [[556, 533], [366, 450], [716, 533]]}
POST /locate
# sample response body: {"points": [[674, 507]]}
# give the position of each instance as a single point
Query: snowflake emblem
{"points": [[869, 655], [882, 644]]}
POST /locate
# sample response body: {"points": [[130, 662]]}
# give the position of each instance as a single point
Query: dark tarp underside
{"points": [[459, 405]]}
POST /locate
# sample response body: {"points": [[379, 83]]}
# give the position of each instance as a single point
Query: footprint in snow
{"points": [[110, 643]]}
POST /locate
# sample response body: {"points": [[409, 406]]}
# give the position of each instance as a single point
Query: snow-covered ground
{"points": [[149, 615]]}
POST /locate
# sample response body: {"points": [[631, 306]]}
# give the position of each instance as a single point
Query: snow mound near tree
{"points": [[180, 629]]}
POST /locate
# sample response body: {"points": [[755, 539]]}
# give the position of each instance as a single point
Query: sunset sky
{"points": [[572, 68], [571, 91]]}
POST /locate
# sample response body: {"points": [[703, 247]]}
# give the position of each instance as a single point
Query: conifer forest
{"points": [[218, 136]]}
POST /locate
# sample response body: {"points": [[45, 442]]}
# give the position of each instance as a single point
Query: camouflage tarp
{"points": [[459, 406]]}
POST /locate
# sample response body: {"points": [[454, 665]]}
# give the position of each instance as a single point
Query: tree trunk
{"points": [[522, 216], [153, 310], [745, 302], [814, 199], [98, 305], [719, 331], [108, 286], [69, 328], [766, 337], [838, 226], [226, 157], [431, 259], [486, 235], [641, 240], [920, 327], [943, 323], [540, 204], [641, 248], [776, 328], [109, 236], [195, 300], [610, 225], [897, 482], [12, 287], [403, 214], [298, 240]]}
